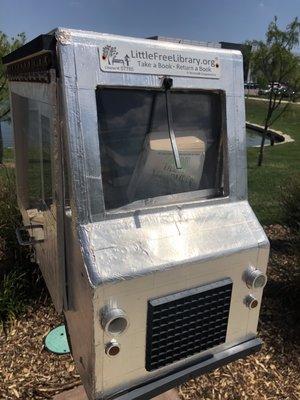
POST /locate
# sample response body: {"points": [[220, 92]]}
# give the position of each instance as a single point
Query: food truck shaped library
{"points": [[133, 191]]}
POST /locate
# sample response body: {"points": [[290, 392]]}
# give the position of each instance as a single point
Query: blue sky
{"points": [[209, 20]]}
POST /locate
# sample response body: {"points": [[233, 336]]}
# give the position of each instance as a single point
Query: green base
{"points": [[56, 341]]}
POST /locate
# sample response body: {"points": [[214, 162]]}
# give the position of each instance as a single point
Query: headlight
{"points": [[254, 278], [114, 321]]}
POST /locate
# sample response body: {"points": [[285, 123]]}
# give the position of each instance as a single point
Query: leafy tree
{"points": [[7, 45], [273, 63]]}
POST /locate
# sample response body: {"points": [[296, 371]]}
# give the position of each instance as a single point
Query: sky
{"points": [[203, 20]]}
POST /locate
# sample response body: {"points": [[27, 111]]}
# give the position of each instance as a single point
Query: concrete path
{"points": [[262, 99], [260, 128]]}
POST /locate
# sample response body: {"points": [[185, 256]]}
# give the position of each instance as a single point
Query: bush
{"points": [[290, 203], [20, 279], [9, 215]]}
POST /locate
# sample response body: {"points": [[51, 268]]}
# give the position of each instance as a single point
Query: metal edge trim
{"points": [[157, 301], [40, 43]]}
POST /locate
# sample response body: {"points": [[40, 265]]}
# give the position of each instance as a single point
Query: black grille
{"points": [[185, 323], [35, 69]]}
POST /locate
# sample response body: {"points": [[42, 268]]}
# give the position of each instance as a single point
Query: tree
{"points": [[7, 45], [274, 64]]}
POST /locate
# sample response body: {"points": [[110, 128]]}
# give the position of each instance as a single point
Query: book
{"points": [[156, 173]]}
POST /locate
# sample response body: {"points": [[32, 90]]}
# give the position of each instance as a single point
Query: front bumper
{"points": [[203, 366]]}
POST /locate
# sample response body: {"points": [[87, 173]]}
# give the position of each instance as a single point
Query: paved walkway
{"points": [[263, 99]]}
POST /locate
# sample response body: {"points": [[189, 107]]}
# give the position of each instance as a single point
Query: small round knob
{"points": [[112, 348], [254, 278], [251, 302]]}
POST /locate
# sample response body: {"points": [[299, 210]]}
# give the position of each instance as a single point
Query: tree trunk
{"points": [[1, 145], [262, 146], [265, 132]]}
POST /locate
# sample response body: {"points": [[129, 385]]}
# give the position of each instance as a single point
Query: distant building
{"points": [[221, 45], [186, 41], [232, 46]]}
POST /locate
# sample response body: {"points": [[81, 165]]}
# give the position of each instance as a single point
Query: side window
{"points": [[33, 143], [46, 160], [31, 132]]}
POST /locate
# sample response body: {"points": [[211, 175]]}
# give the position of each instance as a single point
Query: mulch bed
{"points": [[28, 371]]}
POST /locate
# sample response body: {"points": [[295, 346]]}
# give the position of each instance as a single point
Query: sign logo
{"points": [[142, 58], [110, 54]]}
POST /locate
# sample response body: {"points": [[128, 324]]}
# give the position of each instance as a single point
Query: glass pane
{"points": [[46, 147], [197, 124], [33, 151], [136, 153], [34, 156], [19, 117]]}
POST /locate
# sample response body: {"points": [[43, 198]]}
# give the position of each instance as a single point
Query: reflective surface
{"points": [[33, 151], [38, 176], [138, 161], [253, 139]]}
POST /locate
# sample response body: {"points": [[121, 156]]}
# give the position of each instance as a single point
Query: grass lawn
{"points": [[281, 163], [8, 155]]}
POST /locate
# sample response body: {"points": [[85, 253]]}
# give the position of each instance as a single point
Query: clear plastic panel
{"points": [[46, 159], [137, 158], [32, 132]]}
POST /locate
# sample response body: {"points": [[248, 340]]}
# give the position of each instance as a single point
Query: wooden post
{"points": [[78, 393]]}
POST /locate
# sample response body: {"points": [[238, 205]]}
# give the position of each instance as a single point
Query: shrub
{"points": [[290, 203], [9, 214], [20, 279]]}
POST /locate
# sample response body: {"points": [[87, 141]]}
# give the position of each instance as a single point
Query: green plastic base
{"points": [[56, 341]]}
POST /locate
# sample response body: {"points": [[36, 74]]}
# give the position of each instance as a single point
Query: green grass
{"points": [[8, 155], [281, 163]]}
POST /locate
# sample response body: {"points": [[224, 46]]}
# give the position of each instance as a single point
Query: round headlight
{"points": [[254, 278], [114, 321]]}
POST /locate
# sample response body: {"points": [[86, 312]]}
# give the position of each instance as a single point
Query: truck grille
{"points": [[186, 323]]}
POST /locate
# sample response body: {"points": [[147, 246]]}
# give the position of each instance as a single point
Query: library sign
{"points": [[141, 59]]}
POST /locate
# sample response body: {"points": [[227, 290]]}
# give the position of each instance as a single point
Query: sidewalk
{"points": [[263, 99]]}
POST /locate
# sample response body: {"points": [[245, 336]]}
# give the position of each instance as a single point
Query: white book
{"points": [[156, 173]]}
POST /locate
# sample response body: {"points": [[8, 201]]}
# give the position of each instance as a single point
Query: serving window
{"points": [[158, 143]]}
